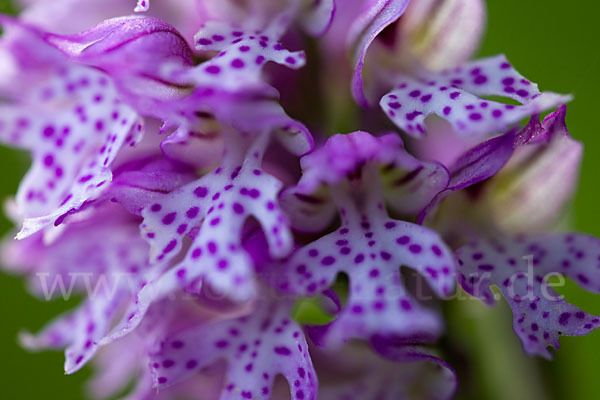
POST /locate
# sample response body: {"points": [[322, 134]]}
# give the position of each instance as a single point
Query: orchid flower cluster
{"points": [[171, 188]]}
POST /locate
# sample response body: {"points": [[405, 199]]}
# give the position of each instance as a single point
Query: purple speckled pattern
{"points": [[70, 165], [241, 56], [369, 246], [214, 180], [521, 268], [107, 263], [220, 202], [455, 96], [370, 251], [257, 347]]}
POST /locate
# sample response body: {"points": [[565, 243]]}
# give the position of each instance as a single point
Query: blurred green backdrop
{"points": [[553, 42]]}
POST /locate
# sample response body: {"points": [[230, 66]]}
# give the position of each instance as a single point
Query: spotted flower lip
{"points": [[105, 264], [257, 349], [520, 265], [213, 210], [453, 96], [369, 246], [540, 315], [54, 135]]}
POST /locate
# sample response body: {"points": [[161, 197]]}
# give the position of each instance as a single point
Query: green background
{"points": [[552, 42]]}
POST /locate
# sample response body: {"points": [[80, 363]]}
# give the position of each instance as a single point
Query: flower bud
{"points": [[440, 34], [529, 194]]}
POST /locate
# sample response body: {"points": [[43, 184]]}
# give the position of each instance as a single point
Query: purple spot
{"points": [[414, 248], [170, 246], [282, 351], [563, 319], [200, 192], [405, 304], [196, 253], [48, 131], [480, 80], [402, 240], [237, 63], [213, 69], [357, 309], [212, 247], [328, 260], [238, 208], [583, 279], [192, 212], [169, 218]]}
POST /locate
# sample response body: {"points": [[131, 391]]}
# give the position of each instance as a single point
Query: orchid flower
{"points": [[106, 265], [453, 92], [257, 348], [369, 246], [501, 256], [64, 102], [197, 209]]}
